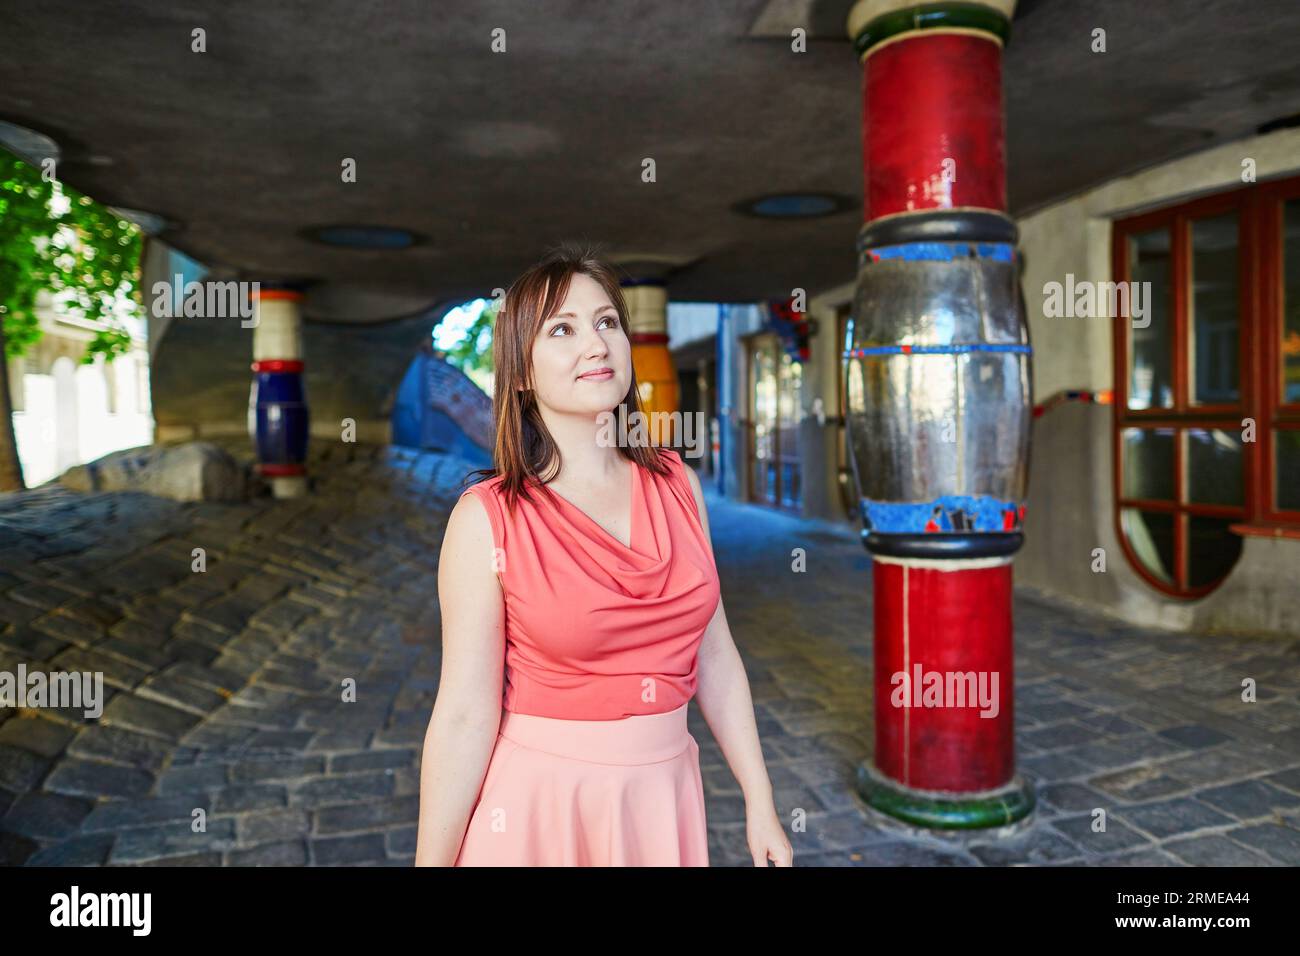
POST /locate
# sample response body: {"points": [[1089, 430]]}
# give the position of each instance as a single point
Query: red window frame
{"points": [[1259, 208]]}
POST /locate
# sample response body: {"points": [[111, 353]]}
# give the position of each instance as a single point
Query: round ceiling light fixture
{"points": [[364, 237], [794, 205]]}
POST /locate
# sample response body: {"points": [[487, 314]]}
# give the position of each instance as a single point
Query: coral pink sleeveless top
{"points": [[596, 630]]}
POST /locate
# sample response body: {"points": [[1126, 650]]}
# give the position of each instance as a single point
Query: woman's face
{"points": [[584, 336]]}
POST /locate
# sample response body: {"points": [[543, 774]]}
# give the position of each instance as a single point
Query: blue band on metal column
{"points": [[953, 349], [944, 251], [946, 514]]}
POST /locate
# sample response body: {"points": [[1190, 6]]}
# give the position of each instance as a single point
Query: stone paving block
{"points": [[15, 849], [241, 798], [21, 770], [1288, 779], [223, 681], [839, 830], [1214, 850], [280, 617], [1280, 843], [1216, 766], [146, 655], [45, 816], [148, 717], [1116, 837], [913, 854], [97, 611], [256, 771], [729, 842], [198, 635], [332, 741], [77, 851], [372, 760], [45, 594], [181, 695], [1141, 858], [1249, 799], [172, 840], [91, 778], [1071, 798], [110, 744], [18, 612], [367, 816], [289, 743], [1166, 818], [402, 841], [153, 613], [349, 850], [1057, 736], [1058, 710], [1194, 736], [1111, 724], [1041, 844], [218, 737], [115, 815], [28, 644], [287, 853], [299, 682], [1139, 784], [198, 778], [342, 789], [272, 825], [116, 671], [33, 733], [68, 630]]}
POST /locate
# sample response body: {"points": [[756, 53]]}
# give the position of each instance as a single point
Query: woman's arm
{"points": [[728, 708], [467, 710]]}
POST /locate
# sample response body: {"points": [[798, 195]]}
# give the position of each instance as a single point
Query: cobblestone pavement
{"points": [[225, 692]]}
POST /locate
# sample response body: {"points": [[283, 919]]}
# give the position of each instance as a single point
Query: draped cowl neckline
{"points": [[596, 527], [596, 629], [639, 569]]}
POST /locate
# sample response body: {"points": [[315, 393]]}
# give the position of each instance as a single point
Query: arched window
{"points": [[1207, 375]]}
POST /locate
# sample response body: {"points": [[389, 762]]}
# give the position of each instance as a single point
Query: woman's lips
{"points": [[598, 376]]}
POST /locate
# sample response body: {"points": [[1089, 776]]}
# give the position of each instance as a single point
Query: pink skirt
{"points": [[590, 793]]}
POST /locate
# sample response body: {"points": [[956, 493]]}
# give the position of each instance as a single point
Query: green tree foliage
{"points": [[54, 238], [473, 354]]}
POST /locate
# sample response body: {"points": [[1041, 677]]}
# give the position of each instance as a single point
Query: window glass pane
{"points": [[1286, 454], [1213, 344], [1212, 549], [1214, 467], [1148, 464], [1150, 384], [1151, 536], [1291, 301]]}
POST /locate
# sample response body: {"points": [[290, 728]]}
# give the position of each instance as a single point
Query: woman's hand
{"points": [[767, 840]]}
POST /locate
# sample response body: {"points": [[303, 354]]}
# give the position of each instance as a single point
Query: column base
{"points": [[287, 486], [944, 810]]}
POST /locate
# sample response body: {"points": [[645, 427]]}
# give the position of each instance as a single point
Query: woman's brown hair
{"points": [[524, 448]]}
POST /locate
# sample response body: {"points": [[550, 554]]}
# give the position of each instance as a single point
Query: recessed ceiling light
{"points": [[364, 237], [794, 205]]}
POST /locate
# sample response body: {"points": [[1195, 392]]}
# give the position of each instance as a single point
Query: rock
{"points": [[193, 471]]}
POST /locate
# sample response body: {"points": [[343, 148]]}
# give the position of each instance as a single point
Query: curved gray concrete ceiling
{"points": [[492, 156]]}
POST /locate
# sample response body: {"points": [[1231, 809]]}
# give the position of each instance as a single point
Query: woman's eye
{"points": [[611, 318]]}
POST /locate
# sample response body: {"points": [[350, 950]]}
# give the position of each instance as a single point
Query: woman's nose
{"points": [[595, 346]]}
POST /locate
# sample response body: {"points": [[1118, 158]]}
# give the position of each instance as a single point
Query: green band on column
{"points": [[930, 16]]}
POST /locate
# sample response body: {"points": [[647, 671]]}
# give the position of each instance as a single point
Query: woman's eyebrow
{"points": [[571, 315]]}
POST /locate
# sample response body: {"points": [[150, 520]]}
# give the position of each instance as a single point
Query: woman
{"points": [[596, 607]]}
